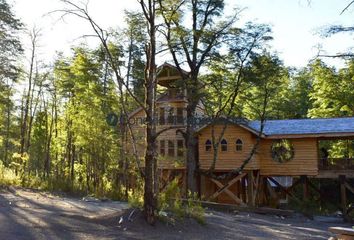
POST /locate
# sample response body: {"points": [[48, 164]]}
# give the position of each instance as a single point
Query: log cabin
{"points": [[285, 149]]}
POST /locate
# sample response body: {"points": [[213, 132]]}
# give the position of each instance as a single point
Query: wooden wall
{"points": [[305, 161], [231, 158], [165, 162]]}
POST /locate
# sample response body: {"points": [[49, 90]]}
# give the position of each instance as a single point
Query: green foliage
{"points": [[8, 177], [10, 46], [170, 201], [333, 92], [136, 196], [267, 80]]}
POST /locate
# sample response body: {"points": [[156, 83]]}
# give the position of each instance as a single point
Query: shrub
{"points": [[171, 201], [8, 176]]}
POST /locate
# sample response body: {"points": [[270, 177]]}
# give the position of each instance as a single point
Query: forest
{"points": [[54, 128]]}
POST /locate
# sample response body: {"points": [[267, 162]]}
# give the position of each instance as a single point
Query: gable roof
{"points": [[168, 65], [242, 122], [316, 126]]}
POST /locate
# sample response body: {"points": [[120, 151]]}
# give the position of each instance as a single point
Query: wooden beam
{"points": [[256, 188], [335, 173], [350, 188], [232, 207], [225, 188], [343, 194], [318, 135], [250, 189], [227, 191], [304, 181]]}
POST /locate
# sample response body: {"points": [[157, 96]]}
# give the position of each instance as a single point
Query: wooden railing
{"points": [[336, 164]]}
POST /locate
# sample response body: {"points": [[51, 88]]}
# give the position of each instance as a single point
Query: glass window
{"points": [[162, 147], [171, 148], [162, 116], [180, 147], [223, 145], [171, 115], [208, 145], [180, 115], [239, 144]]}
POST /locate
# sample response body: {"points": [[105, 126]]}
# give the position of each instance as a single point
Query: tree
{"points": [[148, 106], [136, 37], [10, 46], [10, 50], [193, 43], [332, 93]]}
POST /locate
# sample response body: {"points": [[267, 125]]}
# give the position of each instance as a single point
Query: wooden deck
{"points": [[336, 164], [335, 173], [334, 167]]}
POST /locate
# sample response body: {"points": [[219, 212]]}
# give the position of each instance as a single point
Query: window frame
{"points": [[207, 145], [162, 146], [223, 145], [162, 117], [171, 116], [171, 148], [239, 145], [180, 148], [179, 114]]}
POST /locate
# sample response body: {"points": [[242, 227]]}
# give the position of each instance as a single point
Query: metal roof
{"points": [[305, 126]]}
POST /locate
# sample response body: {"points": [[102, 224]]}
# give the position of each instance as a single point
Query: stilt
{"points": [[250, 189], [304, 181], [343, 195], [243, 190]]}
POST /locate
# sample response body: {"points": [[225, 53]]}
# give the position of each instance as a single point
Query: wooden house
{"points": [[286, 148], [289, 148]]}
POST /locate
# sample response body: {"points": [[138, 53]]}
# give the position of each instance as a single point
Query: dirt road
{"points": [[27, 214]]}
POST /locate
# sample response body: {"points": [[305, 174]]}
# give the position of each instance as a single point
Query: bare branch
{"points": [[346, 8]]}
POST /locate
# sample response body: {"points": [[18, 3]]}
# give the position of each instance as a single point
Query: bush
{"points": [[171, 201], [8, 176]]}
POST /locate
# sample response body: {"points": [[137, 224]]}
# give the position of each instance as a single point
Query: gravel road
{"points": [[28, 214]]}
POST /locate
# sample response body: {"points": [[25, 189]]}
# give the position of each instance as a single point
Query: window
{"points": [[170, 118], [239, 145], [208, 145], [162, 116], [180, 147], [180, 115], [162, 147], [171, 148], [223, 145]]}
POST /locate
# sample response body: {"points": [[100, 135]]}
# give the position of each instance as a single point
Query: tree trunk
{"points": [[150, 194], [8, 122]]}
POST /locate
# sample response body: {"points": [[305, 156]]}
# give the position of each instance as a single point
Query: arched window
{"points": [[208, 145], [239, 144], [223, 145]]}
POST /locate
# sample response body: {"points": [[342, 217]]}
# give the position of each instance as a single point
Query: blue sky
{"points": [[294, 23]]}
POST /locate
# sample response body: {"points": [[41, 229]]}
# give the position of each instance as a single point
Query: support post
{"points": [[343, 195], [243, 190], [304, 181], [250, 189]]}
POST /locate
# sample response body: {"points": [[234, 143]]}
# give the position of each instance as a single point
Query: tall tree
{"points": [[136, 36], [332, 93], [10, 49], [193, 42], [10, 46]]}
